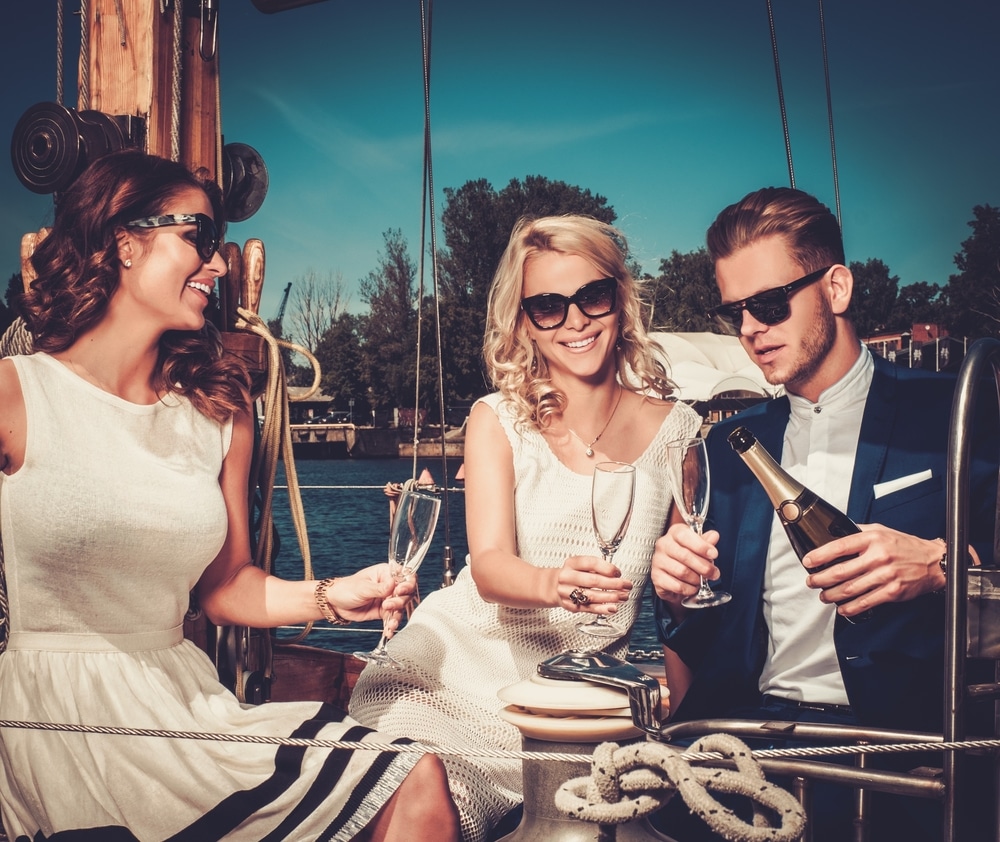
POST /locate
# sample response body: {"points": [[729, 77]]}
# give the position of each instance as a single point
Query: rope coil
{"points": [[634, 781]]}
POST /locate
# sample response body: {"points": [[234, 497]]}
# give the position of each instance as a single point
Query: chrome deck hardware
{"points": [[643, 690]]}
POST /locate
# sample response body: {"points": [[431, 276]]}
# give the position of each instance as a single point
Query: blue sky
{"points": [[669, 109]]}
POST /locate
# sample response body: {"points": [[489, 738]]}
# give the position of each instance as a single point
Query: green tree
{"points": [[477, 222], [342, 362], [917, 302], [389, 330], [973, 295], [683, 293], [314, 306], [8, 311], [874, 295]]}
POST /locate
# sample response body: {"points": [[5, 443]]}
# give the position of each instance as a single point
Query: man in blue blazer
{"points": [[867, 436]]}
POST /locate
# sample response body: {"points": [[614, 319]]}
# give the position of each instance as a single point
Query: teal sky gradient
{"points": [[668, 109]]}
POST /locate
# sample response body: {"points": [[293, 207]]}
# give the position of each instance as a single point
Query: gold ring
{"points": [[579, 597]]}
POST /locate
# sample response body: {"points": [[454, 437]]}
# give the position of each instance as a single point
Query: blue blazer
{"points": [[892, 664]]}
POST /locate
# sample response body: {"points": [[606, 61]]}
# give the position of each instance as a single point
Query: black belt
{"points": [[823, 707]]}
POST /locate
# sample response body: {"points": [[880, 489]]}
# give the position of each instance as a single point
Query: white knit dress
{"points": [[459, 650], [111, 520]]}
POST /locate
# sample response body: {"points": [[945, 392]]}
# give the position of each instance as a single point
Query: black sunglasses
{"points": [[206, 235], [769, 307], [549, 310]]}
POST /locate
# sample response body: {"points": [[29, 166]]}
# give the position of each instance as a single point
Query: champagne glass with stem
{"points": [[410, 537], [611, 499], [689, 478]]}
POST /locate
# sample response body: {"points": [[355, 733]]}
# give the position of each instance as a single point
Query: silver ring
{"points": [[579, 597]]}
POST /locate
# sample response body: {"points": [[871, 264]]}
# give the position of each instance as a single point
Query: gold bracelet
{"points": [[327, 610]]}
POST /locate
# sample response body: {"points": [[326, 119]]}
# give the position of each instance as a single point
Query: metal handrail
{"points": [[983, 353], [814, 733]]}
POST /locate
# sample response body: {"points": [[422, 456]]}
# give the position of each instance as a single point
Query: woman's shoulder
{"points": [[660, 420], [491, 400], [662, 410]]}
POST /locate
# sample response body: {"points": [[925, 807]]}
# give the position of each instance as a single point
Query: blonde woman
{"points": [[577, 383]]}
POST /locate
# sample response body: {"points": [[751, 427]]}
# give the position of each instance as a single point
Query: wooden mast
{"points": [[131, 69]]}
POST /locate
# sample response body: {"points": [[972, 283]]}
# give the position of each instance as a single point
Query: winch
{"points": [[573, 702]]}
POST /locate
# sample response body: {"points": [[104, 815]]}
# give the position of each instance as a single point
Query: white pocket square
{"points": [[888, 487]]}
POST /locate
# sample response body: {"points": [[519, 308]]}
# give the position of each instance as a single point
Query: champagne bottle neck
{"points": [[782, 488]]}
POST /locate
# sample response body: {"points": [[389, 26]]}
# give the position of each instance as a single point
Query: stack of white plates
{"points": [[567, 711]]}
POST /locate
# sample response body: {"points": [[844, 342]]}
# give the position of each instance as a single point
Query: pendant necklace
{"points": [[589, 448]]}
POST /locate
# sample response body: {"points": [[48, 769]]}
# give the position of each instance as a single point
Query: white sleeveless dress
{"points": [[111, 520], [458, 650]]}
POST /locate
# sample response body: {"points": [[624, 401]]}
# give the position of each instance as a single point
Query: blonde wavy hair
{"points": [[513, 364]]}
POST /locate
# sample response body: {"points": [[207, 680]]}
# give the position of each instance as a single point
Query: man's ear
{"points": [[840, 286]]}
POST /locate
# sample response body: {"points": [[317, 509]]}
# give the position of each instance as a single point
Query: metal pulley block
{"points": [[244, 181], [51, 144]]}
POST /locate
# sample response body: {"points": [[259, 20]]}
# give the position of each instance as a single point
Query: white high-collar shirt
{"points": [[820, 444]]}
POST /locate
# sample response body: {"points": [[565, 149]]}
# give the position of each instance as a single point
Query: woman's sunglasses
{"points": [[206, 240], [769, 307], [549, 310]]}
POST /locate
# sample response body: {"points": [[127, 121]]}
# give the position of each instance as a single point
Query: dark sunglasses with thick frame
{"points": [[206, 240], [769, 307], [548, 310]]}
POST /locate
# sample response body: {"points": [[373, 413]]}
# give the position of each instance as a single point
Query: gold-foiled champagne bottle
{"points": [[809, 520]]}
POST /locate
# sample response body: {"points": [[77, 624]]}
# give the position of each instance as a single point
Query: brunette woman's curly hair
{"points": [[512, 362], [78, 272]]}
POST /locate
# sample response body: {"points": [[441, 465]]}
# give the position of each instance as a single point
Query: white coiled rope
{"points": [[637, 780]]}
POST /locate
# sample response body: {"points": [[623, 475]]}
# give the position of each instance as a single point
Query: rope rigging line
{"points": [[420, 296], [829, 113], [448, 572], [781, 95], [690, 755], [84, 93], [276, 441], [60, 85], [625, 783], [428, 210], [275, 437], [176, 69], [425, 47]]}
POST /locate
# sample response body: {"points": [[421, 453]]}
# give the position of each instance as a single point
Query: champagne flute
{"points": [[409, 539], [611, 498], [689, 479]]}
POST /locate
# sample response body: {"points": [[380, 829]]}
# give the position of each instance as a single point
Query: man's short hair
{"points": [[809, 229]]}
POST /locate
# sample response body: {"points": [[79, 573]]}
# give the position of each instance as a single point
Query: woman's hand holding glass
{"points": [[612, 496], [369, 594], [689, 478], [410, 537]]}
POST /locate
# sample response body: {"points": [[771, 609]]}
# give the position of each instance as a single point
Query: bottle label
{"points": [[789, 511]]}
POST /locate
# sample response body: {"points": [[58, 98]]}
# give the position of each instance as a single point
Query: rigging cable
{"points": [[427, 210], [781, 95], [84, 92], [59, 52], [829, 112], [176, 69]]}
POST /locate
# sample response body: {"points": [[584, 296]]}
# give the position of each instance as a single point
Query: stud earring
{"points": [[128, 262]]}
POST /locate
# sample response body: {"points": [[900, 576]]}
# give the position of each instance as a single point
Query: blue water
{"points": [[348, 528]]}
